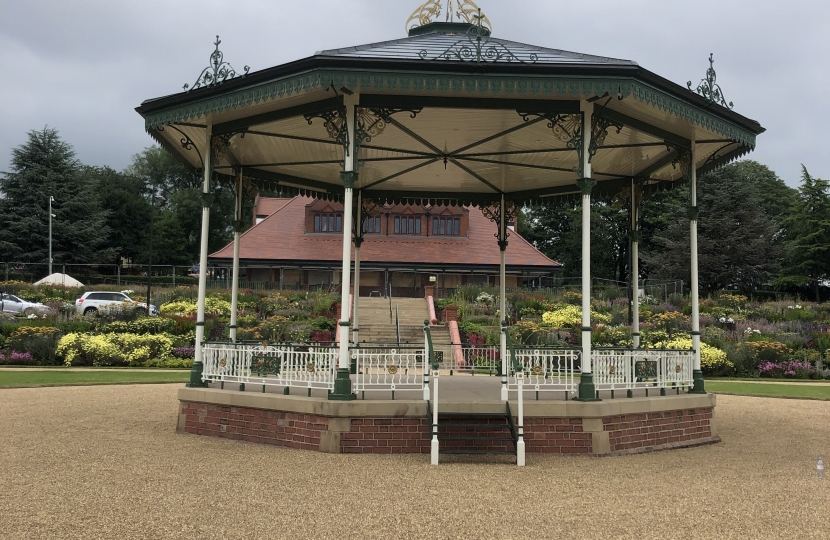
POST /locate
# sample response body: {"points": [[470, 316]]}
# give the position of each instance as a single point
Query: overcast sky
{"points": [[82, 66]]}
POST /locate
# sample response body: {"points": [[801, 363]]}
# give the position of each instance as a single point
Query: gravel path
{"points": [[104, 462]]}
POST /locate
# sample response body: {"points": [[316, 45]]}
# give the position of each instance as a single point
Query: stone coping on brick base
{"points": [[606, 428]]}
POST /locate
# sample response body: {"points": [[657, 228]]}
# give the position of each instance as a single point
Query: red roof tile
{"points": [[281, 237]]}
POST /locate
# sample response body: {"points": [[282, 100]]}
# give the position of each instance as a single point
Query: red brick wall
{"points": [[386, 436], [556, 436], [653, 429], [269, 427]]}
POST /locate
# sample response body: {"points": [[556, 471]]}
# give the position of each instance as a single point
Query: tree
{"points": [[178, 191], [46, 166], [808, 246], [124, 197], [736, 239]]}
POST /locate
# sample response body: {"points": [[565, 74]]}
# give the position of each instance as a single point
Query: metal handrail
{"points": [[390, 303], [398, 323]]}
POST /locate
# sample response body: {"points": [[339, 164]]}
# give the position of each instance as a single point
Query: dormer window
{"points": [[408, 225], [328, 223], [442, 226]]}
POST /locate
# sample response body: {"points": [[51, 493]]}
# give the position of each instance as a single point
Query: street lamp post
{"points": [[51, 215]]}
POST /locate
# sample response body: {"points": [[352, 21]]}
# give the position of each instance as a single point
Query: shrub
{"points": [[174, 363], [187, 352], [40, 341], [113, 349], [15, 358], [572, 297], [789, 368], [571, 315], [769, 351], [712, 360], [186, 308], [145, 325]]}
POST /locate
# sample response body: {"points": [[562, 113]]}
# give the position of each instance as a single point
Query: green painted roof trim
{"points": [[491, 86]]}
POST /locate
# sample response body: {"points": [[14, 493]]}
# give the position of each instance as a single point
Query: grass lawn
{"points": [[17, 379], [797, 391]]}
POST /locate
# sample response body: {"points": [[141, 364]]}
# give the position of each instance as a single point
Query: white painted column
{"points": [[502, 296], [237, 226], [635, 268], [342, 384], [693, 215], [358, 240], [586, 184], [196, 372]]}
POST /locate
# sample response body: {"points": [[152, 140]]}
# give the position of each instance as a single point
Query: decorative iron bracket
{"points": [[217, 72], [599, 130], [476, 47], [431, 10], [709, 88], [684, 159], [369, 123], [567, 128], [493, 213]]}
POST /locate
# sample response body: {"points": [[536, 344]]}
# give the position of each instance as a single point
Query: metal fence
{"points": [[389, 369], [630, 369]]}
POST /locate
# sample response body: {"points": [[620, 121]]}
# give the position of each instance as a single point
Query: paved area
{"points": [[104, 462]]}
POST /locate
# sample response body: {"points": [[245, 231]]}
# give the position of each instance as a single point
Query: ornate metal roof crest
{"points": [[431, 10], [709, 88], [476, 47], [217, 72]]}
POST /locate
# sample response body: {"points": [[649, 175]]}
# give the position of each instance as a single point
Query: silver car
{"points": [[91, 302], [10, 303]]}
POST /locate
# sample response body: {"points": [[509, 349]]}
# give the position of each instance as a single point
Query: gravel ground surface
{"points": [[104, 462]]}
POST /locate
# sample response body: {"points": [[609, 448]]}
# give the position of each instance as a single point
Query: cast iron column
{"points": [[196, 371], [237, 228], [697, 373], [587, 391], [502, 297], [343, 382]]}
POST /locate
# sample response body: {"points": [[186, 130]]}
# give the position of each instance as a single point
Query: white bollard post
{"points": [[433, 459], [520, 444]]}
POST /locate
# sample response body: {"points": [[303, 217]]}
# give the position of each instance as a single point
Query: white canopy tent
{"points": [[60, 280]]}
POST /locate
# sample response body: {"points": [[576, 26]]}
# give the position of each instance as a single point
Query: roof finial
{"points": [[430, 10], [709, 88], [217, 72]]}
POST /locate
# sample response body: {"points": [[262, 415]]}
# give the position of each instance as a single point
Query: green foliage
{"points": [[113, 349], [42, 167], [185, 308], [570, 315], [40, 341], [145, 325], [808, 231]]}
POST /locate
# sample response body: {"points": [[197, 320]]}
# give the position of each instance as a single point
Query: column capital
{"points": [[349, 178], [207, 200], [586, 185], [694, 213], [237, 226], [635, 235], [358, 240]]}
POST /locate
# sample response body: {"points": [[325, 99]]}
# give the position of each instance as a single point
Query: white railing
{"points": [[281, 365], [629, 369], [389, 368], [472, 359], [544, 370]]}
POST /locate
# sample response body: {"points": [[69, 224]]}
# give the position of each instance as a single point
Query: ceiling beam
{"points": [[274, 116], [644, 127]]}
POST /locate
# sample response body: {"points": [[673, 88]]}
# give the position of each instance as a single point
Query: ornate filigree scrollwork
{"points": [[566, 128], [493, 213], [599, 131], [219, 145], [369, 123], [217, 72], [476, 47], [683, 160], [709, 88], [334, 121], [430, 11]]}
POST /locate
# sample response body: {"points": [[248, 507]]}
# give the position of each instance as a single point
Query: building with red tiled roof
{"points": [[298, 242]]}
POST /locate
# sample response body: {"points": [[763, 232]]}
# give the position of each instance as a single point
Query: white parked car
{"points": [[10, 303], [91, 302]]}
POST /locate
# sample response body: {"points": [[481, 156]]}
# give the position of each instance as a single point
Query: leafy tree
{"points": [[124, 197], [736, 239], [42, 167], [808, 247], [178, 192]]}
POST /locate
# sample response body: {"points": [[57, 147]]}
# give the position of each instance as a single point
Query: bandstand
{"points": [[449, 115]]}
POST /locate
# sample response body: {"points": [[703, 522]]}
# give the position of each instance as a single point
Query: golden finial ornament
{"points": [[456, 11]]}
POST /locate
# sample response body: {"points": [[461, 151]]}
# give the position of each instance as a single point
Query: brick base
{"points": [[611, 435]]}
